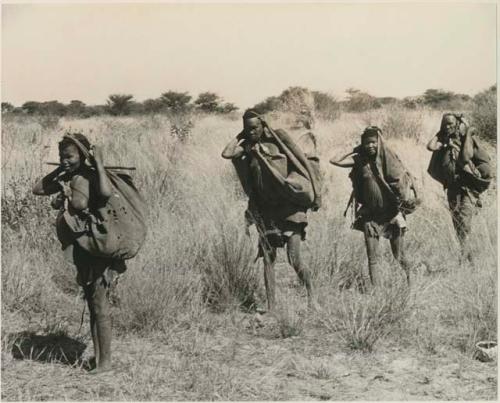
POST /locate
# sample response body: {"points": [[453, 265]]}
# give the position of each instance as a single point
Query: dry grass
{"points": [[181, 332]]}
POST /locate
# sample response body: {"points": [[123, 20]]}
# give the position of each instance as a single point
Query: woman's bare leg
{"points": [[397, 247], [293, 253], [269, 253], [100, 323]]}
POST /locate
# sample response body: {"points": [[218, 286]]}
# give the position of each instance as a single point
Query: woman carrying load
{"points": [[383, 193], [84, 188], [281, 186], [463, 167]]}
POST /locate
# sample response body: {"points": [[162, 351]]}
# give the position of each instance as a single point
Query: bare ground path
{"points": [[240, 358]]}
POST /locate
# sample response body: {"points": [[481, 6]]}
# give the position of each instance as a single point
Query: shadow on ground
{"points": [[46, 348]]}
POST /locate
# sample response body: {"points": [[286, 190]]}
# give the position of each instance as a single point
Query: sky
{"points": [[244, 52]]}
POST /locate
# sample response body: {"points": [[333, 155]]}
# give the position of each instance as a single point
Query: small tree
{"points": [[54, 108], [228, 107], [436, 97], [7, 107], [119, 104], [208, 102], [388, 100], [359, 101], [136, 108], [484, 113], [440, 99], [153, 105], [325, 105], [176, 101], [31, 107], [96, 110], [297, 100], [268, 105], [413, 102], [76, 108]]}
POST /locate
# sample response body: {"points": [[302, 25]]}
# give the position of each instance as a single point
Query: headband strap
{"points": [[77, 142]]}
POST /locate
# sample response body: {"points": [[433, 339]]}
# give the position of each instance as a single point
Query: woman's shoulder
{"points": [[84, 177]]}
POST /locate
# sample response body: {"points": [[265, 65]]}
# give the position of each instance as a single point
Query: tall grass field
{"points": [[184, 318]]}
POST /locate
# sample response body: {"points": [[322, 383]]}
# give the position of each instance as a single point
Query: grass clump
{"points": [[361, 320]]}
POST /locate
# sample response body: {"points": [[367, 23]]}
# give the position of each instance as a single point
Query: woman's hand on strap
{"points": [[96, 156]]}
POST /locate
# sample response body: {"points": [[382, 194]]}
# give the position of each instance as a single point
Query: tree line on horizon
{"points": [[124, 104], [293, 99]]}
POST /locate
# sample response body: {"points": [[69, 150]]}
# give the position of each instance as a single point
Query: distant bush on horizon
{"points": [[484, 113], [302, 105]]}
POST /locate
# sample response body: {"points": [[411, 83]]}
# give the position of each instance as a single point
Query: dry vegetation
{"points": [[185, 323]]}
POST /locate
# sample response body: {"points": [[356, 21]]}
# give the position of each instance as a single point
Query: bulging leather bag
{"points": [[117, 229], [303, 184]]}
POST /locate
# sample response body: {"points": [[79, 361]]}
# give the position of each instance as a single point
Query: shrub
{"points": [[270, 104], [401, 123], [326, 106], [229, 270], [361, 320], [361, 101], [119, 104], [7, 107], [484, 113], [176, 101], [440, 99]]}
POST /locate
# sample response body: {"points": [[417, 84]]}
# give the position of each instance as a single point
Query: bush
{"points": [[361, 101], [229, 270], [401, 123], [362, 320], [326, 106], [484, 113], [119, 104], [178, 102], [440, 99], [7, 107], [270, 104]]}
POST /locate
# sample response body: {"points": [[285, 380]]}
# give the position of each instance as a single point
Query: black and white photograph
{"points": [[268, 201]]}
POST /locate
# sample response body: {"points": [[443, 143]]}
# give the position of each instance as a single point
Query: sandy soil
{"points": [[244, 358]]}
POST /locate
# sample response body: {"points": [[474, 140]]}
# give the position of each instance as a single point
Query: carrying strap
{"points": [[80, 146]]}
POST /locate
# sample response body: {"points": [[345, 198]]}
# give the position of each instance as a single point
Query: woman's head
{"points": [[73, 150], [252, 125], [369, 140], [449, 124]]}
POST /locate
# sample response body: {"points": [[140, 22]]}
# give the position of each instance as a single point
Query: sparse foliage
{"points": [[297, 99], [441, 99], [119, 104], [208, 102], [76, 108], [268, 105], [484, 113], [326, 106], [176, 101], [153, 105], [7, 107], [359, 101], [227, 107]]}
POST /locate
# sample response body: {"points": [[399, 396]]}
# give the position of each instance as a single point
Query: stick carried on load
{"points": [[107, 167]]}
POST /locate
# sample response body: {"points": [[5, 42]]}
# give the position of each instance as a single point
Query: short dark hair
{"points": [[371, 131], [250, 114]]}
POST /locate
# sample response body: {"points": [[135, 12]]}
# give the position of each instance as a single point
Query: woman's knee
{"points": [[371, 249], [99, 301]]}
